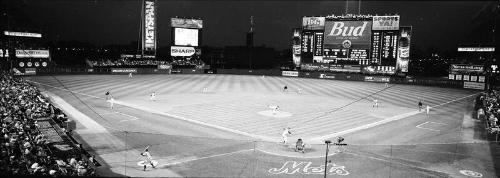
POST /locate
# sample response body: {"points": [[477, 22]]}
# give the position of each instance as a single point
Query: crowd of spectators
{"points": [[125, 62], [24, 148], [488, 109]]}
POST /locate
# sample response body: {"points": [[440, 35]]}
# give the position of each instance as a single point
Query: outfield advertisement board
{"points": [[186, 23], [290, 73], [32, 53], [386, 22], [347, 34], [22, 34], [474, 85], [377, 79], [123, 70], [466, 69]]}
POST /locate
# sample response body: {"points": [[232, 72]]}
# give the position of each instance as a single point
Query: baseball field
{"points": [[223, 126]]}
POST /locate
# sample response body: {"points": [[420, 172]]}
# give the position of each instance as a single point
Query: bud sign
{"points": [[357, 33]]}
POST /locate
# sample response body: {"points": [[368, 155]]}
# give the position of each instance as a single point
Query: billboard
{"points": [[290, 73], [377, 79], [474, 85], [476, 49], [32, 53], [186, 23], [347, 34], [403, 49], [6, 53], [182, 51], [466, 69], [313, 23], [149, 27], [123, 70], [386, 22], [186, 37], [296, 47], [22, 34]]}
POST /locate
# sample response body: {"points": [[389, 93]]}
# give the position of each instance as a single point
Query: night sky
{"points": [[440, 24]]}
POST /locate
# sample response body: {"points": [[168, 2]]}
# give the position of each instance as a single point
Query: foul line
{"points": [[264, 138], [195, 159], [374, 124], [420, 127]]}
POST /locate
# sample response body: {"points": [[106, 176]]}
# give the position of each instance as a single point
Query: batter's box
{"points": [[433, 126]]}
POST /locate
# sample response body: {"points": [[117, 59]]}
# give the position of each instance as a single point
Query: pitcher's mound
{"points": [[277, 114]]}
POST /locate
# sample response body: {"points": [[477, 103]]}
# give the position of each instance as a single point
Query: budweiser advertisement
{"points": [[182, 51], [186, 23], [32, 53], [149, 25], [403, 49], [313, 23], [186, 37], [347, 34], [386, 22]]}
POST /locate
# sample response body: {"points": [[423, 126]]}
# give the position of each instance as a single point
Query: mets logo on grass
{"points": [[293, 167]]}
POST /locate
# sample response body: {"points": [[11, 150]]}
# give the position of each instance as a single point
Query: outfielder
{"points": [[375, 103]]}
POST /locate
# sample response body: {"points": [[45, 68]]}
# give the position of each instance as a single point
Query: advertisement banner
{"points": [[327, 76], [186, 37], [480, 78], [164, 66], [378, 69], [29, 71], [6, 53], [313, 23], [296, 41], [347, 34], [451, 76], [473, 78], [123, 70], [476, 49], [403, 49], [186, 23], [32, 53], [149, 31], [466, 69], [377, 79], [182, 51], [22, 34], [474, 85], [385, 22], [290, 73]]}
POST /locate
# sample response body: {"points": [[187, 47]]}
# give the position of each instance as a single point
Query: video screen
{"points": [[186, 37]]}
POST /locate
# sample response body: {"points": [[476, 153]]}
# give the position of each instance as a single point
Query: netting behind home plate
{"points": [[213, 157]]}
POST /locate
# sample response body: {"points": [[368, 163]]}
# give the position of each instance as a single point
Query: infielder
{"points": [[284, 135], [152, 96], [375, 103], [111, 102], [427, 110]]}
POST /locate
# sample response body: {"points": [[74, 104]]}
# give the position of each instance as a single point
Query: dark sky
{"points": [[443, 24]]}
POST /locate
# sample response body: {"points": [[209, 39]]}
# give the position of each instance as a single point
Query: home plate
{"points": [[277, 114]]}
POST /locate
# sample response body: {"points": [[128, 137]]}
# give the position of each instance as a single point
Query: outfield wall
{"points": [[269, 72]]}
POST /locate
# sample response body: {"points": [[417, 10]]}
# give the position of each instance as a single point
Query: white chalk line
{"points": [[206, 157], [420, 127], [170, 115], [374, 124]]}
